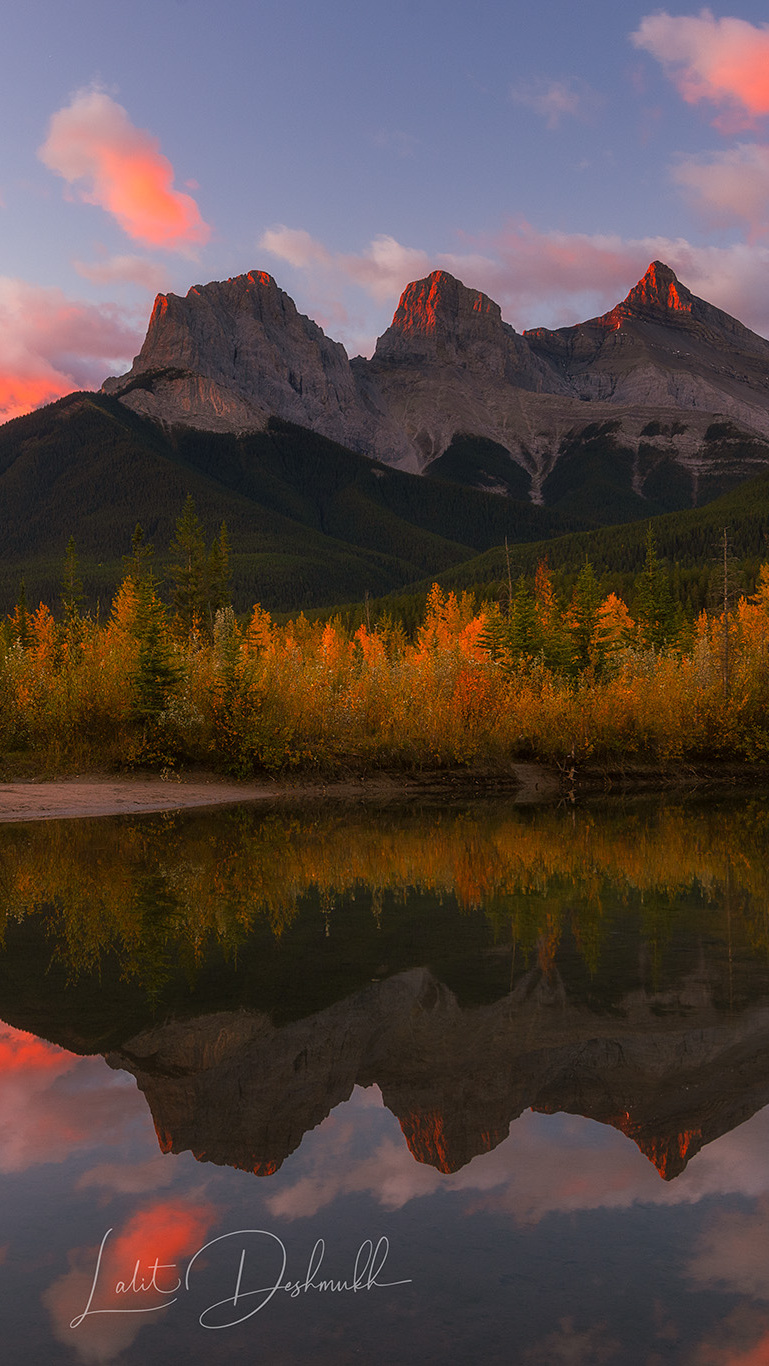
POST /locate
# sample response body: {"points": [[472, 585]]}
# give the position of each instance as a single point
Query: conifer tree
{"points": [[20, 628], [72, 593], [219, 594], [555, 643], [138, 564], [189, 569], [655, 612], [524, 635], [155, 674], [582, 617]]}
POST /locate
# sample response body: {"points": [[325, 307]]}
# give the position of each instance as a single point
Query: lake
{"points": [[446, 1083]]}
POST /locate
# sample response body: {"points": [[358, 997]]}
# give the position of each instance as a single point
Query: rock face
{"points": [[232, 354], [681, 383], [663, 346], [671, 1070]]}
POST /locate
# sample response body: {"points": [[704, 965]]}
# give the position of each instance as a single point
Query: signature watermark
{"points": [[245, 1252]]}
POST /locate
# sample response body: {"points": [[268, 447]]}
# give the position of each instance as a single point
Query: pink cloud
{"points": [[570, 1346], [50, 345], [730, 186], [605, 1171], [731, 1253], [383, 268], [556, 279], [722, 61], [171, 1231], [551, 279], [295, 246], [48, 1104], [556, 100], [136, 1179], [92, 141]]}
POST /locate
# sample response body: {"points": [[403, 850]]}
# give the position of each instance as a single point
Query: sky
{"points": [[545, 154]]}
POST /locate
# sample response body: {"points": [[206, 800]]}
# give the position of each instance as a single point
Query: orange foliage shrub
{"points": [[313, 697]]}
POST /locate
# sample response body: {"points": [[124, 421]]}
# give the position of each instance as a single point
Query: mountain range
{"points": [[341, 477], [677, 389]]}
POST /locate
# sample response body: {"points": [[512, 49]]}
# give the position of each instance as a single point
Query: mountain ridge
{"points": [[231, 355]]}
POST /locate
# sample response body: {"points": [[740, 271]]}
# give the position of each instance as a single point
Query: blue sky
{"points": [[545, 154]]}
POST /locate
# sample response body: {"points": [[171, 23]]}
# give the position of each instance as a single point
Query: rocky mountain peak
{"points": [[440, 317], [231, 354], [439, 301], [658, 288]]}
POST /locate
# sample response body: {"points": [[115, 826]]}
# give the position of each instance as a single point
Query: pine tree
{"points": [[189, 570], [155, 674], [582, 617], [657, 620], [72, 593], [555, 643], [516, 636], [524, 635], [20, 627], [219, 593], [138, 564]]}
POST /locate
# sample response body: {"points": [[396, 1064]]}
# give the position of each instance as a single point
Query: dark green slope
{"points": [[690, 540], [310, 522], [594, 480]]}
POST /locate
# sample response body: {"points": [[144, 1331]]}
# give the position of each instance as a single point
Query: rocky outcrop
{"points": [[670, 1070], [662, 364], [232, 354]]}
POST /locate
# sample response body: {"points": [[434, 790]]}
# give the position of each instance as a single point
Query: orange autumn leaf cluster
{"points": [[473, 687]]}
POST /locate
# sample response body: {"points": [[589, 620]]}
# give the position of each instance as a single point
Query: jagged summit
{"points": [[660, 299], [441, 308], [659, 288], [441, 324]]}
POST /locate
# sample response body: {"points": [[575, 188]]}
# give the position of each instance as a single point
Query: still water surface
{"points": [[445, 1084]]}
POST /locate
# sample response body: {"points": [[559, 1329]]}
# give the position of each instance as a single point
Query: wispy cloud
{"points": [[383, 268], [614, 1174], [550, 279], [724, 62], [556, 100], [296, 247], [168, 1231], [730, 186], [93, 144], [124, 270]]}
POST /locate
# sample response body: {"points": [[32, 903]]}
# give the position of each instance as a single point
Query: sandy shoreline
{"points": [[65, 798], [69, 797], [28, 799]]}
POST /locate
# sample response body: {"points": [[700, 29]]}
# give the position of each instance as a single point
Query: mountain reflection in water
{"points": [[250, 970]]}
